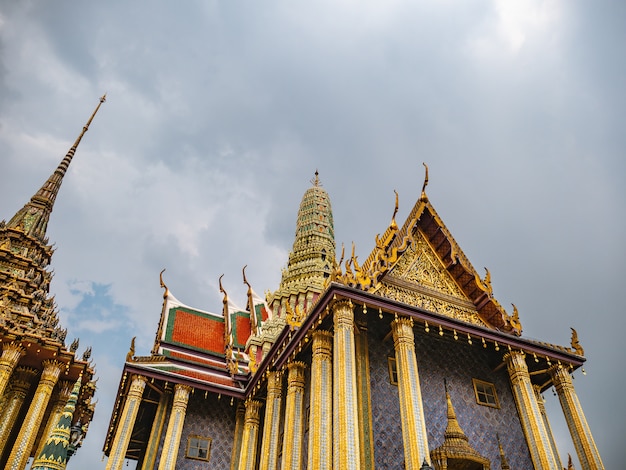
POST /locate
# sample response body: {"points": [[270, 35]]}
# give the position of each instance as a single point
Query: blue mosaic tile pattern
{"points": [[211, 418], [458, 362], [386, 426]]}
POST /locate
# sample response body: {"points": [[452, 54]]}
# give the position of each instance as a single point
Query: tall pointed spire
{"points": [[313, 254], [456, 444], [56, 451], [33, 218]]}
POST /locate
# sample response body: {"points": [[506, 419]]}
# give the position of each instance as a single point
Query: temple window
{"points": [[198, 448], [393, 370], [485, 393]]}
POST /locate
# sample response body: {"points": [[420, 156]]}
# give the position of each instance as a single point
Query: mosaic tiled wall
{"points": [[458, 362], [210, 418]]}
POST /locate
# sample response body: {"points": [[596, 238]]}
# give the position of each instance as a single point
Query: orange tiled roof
{"points": [[195, 330]]}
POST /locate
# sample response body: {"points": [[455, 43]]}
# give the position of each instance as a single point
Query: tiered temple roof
{"points": [[28, 312]]}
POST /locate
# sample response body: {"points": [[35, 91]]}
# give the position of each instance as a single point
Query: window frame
{"points": [[485, 387], [209, 442]]}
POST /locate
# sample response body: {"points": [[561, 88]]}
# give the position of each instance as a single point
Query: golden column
{"points": [[157, 429], [546, 423], [174, 427], [247, 457], [532, 423], [364, 396], [126, 423], [271, 426], [58, 402], [11, 354], [579, 429], [294, 417], [321, 405], [28, 432], [239, 422], [414, 433], [346, 452], [21, 381]]}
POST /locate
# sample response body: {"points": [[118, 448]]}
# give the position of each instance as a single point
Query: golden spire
{"points": [[453, 430], [312, 258], [33, 217], [455, 444]]}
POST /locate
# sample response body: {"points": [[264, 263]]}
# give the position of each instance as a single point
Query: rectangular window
{"points": [[198, 448], [485, 393], [393, 370]]}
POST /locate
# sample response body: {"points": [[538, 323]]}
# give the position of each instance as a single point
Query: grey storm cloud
{"points": [[219, 113]]}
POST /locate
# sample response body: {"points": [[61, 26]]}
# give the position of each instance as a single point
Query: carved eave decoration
{"points": [[470, 299]]}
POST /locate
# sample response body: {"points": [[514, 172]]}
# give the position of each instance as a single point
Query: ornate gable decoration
{"points": [[421, 264], [419, 278]]}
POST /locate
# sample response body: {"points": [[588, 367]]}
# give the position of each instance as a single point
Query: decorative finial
{"points": [[578, 349], [316, 181], [245, 281], [395, 211], [167, 291], [131, 352], [425, 181], [514, 319], [220, 283], [487, 281]]}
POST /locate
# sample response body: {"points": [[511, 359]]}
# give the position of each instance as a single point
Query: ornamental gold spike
{"points": [[423, 196], [167, 291], [578, 349]]}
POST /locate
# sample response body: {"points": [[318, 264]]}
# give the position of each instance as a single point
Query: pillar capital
{"points": [[11, 354], [274, 384], [12, 351], [182, 391], [253, 411], [137, 384], [51, 371], [402, 329], [322, 344], [343, 314], [561, 377], [22, 379], [295, 377]]}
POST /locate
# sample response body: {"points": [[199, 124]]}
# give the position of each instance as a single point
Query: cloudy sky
{"points": [[218, 114]]}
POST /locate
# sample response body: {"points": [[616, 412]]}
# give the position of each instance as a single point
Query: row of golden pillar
{"points": [[339, 434], [15, 383], [171, 444]]}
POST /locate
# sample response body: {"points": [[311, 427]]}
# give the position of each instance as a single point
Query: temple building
{"points": [[404, 360], [39, 374]]}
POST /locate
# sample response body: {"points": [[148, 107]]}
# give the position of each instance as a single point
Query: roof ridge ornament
{"points": [[576, 347], [167, 291], [423, 196]]}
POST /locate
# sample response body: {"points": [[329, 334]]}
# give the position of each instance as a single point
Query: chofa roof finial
{"points": [[423, 196]]}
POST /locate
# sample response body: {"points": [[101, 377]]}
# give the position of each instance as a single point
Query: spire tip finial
{"points": [[316, 181]]}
